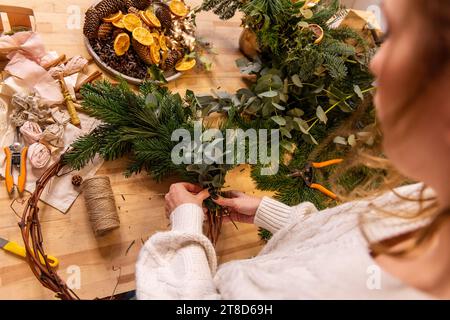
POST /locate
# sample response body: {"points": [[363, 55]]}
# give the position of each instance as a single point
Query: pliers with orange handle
{"points": [[16, 156], [308, 176]]}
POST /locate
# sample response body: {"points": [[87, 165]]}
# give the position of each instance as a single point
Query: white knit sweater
{"points": [[312, 255]]}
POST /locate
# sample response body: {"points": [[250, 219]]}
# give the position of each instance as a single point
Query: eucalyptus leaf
{"points": [[358, 91], [285, 133], [302, 125], [319, 89], [268, 94], [321, 114], [296, 80], [309, 139], [279, 120], [340, 140], [267, 109], [284, 97], [296, 112], [279, 107]]}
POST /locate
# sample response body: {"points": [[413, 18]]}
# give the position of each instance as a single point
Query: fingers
{"points": [[221, 201], [202, 195], [233, 194], [190, 187]]}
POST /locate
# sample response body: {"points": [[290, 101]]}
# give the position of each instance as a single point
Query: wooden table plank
{"points": [[141, 208]]}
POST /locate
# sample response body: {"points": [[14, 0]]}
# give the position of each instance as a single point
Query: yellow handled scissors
{"points": [[21, 252]]}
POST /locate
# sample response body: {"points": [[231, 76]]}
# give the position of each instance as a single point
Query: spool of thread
{"points": [[100, 204]]}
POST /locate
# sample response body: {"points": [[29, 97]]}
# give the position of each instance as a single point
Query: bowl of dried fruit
{"points": [[128, 38]]}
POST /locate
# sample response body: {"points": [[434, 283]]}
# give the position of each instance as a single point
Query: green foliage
{"points": [[225, 9], [300, 84], [140, 125]]}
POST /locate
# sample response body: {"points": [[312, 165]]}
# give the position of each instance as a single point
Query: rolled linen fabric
{"points": [[31, 132], [39, 155]]}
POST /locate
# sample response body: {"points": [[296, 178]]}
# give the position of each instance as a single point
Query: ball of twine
{"points": [[100, 204]]}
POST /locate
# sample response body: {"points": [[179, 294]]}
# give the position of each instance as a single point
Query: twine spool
{"points": [[100, 204]]}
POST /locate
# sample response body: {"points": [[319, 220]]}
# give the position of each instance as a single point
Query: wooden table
{"points": [[105, 262]]}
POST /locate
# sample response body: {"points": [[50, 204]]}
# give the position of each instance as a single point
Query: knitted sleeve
{"points": [[273, 215], [178, 264]]}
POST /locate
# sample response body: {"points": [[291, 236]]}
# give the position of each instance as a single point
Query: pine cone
{"points": [[108, 7], [77, 180], [171, 60], [92, 22], [164, 16], [138, 4], [116, 32], [142, 51], [133, 10], [105, 30]]}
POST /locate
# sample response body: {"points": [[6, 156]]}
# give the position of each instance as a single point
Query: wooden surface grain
{"points": [[107, 261]]}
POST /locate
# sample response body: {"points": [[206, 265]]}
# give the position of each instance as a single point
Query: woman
{"points": [[331, 254]]}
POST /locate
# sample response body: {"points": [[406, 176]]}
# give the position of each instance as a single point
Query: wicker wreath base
{"points": [[33, 240]]}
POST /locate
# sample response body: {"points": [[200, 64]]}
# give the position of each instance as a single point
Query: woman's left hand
{"points": [[183, 192]]}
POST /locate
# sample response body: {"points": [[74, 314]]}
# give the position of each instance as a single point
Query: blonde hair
{"points": [[383, 176]]}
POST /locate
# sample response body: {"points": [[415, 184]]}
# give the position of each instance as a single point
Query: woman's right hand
{"points": [[242, 207]]}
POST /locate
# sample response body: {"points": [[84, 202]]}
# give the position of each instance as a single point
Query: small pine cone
{"points": [[116, 32], [105, 30], [92, 22], [142, 51], [138, 4], [171, 60], [77, 180], [108, 7], [133, 10], [164, 16]]}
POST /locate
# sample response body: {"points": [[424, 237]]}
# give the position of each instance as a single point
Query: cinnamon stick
{"points": [[89, 79]]}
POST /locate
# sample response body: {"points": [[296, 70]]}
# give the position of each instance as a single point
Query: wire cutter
{"points": [[16, 156], [308, 175]]}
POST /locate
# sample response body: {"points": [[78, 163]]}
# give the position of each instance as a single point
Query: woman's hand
{"points": [[242, 207], [183, 192]]}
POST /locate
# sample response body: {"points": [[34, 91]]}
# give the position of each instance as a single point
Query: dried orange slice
{"points": [[143, 36], [121, 44], [131, 22], [119, 24], [318, 31], [156, 41], [163, 43], [178, 8], [154, 21], [144, 18], [185, 65], [154, 54], [114, 17]]}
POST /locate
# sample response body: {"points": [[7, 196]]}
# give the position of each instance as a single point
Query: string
{"points": [[100, 204]]}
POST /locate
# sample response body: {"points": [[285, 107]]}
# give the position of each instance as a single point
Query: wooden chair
{"points": [[19, 19]]}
